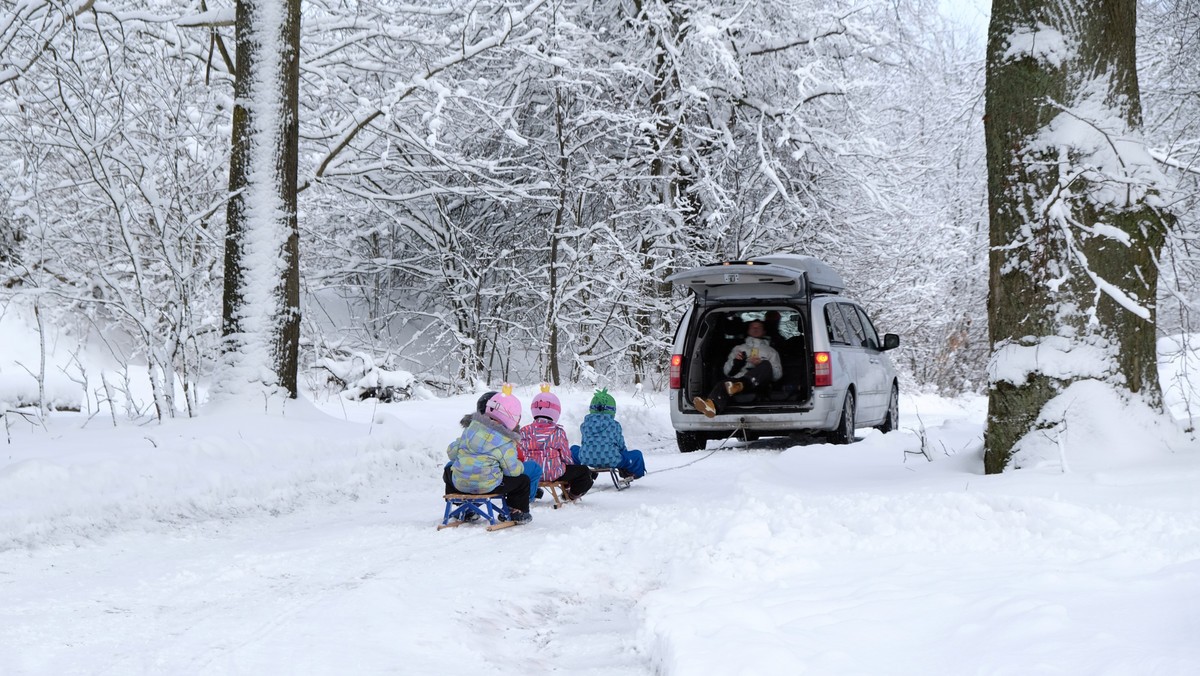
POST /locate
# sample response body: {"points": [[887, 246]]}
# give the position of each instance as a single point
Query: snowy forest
{"points": [[496, 190], [262, 260]]}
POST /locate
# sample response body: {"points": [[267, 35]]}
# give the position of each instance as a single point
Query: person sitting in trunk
{"points": [[753, 366]]}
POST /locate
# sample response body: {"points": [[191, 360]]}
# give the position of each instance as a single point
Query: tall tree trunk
{"points": [[552, 303], [1073, 200], [261, 314]]}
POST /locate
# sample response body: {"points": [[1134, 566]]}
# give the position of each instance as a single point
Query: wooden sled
{"points": [[490, 506], [558, 490]]}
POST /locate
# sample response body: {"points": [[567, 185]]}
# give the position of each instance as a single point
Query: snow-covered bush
{"points": [[360, 376]]}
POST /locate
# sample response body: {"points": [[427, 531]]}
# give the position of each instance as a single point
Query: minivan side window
{"points": [[856, 330], [838, 334], [869, 328]]}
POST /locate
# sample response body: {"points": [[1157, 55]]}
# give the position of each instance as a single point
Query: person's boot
{"points": [[705, 406], [733, 387]]}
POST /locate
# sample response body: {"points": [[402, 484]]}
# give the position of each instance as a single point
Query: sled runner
{"points": [[619, 481], [461, 507], [558, 490]]}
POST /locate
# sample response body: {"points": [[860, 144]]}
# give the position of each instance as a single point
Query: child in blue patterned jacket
{"points": [[603, 442], [484, 458]]}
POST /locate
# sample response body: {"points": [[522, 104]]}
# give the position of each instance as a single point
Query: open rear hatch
{"points": [[742, 279], [784, 276]]}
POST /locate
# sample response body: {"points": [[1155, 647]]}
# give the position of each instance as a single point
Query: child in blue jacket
{"points": [[603, 442]]}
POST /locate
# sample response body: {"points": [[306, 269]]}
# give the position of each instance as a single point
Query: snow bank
{"points": [[226, 464], [94, 480], [1179, 374], [1092, 426]]}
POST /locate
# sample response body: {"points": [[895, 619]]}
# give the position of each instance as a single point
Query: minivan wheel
{"points": [[844, 434], [892, 421], [690, 441]]}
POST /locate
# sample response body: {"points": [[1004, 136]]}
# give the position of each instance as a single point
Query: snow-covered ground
{"points": [[305, 543]]}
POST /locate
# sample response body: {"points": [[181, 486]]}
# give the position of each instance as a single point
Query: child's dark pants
{"points": [[578, 478]]}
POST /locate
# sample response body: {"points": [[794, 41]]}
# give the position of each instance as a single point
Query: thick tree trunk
{"points": [[1075, 229], [261, 314]]}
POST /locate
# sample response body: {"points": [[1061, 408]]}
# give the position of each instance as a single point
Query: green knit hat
{"points": [[602, 402]]}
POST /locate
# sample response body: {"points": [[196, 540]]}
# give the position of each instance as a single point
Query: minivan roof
{"points": [[777, 276]]}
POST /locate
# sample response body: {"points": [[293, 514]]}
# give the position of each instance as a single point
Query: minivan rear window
{"points": [[781, 323]]}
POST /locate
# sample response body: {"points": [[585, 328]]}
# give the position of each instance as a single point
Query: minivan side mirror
{"points": [[891, 341]]}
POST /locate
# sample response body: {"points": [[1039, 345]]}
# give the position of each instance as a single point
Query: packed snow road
{"points": [[366, 587], [307, 545]]}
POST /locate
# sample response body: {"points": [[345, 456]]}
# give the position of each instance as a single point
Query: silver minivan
{"points": [[836, 375]]}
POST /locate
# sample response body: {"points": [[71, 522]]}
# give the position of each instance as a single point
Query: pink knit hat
{"points": [[505, 408], [546, 405]]}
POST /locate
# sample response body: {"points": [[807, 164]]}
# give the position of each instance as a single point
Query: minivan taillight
{"points": [[676, 367], [822, 370]]}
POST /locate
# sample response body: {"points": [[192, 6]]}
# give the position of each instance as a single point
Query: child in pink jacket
{"points": [[543, 441]]}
